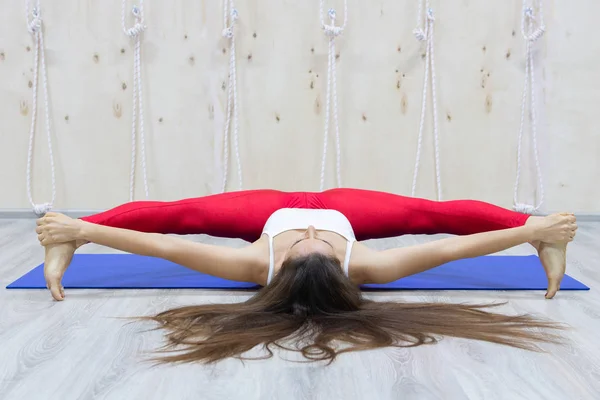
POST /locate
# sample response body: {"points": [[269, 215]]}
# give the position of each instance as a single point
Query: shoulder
{"points": [[256, 257], [362, 262]]}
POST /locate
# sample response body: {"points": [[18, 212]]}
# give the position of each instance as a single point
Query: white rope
{"points": [[531, 35], [425, 33], [230, 16], [135, 33], [332, 31], [34, 26]]}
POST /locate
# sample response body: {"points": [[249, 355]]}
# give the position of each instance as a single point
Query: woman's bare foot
{"points": [[554, 259], [56, 261], [59, 234], [553, 255]]}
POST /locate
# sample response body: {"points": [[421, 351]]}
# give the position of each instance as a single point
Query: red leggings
{"points": [[373, 215]]}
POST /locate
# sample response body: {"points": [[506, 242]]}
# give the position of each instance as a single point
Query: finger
{"points": [[39, 229]]}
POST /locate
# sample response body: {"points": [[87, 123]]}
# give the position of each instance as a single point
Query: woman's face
{"points": [[309, 242]]}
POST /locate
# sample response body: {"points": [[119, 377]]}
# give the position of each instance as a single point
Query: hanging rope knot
{"points": [[528, 18], [524, 208], [228, 32], [538, 33], [136, 29], [421, 34], [35, 25], [332, 30], [139, 26], [41, 209]]}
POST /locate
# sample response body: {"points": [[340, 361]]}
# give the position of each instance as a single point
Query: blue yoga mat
{"points": [[128, 271]]}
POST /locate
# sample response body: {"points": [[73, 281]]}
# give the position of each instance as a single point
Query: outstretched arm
{"points": [[224, 262], [220, 261], [391, 265]]}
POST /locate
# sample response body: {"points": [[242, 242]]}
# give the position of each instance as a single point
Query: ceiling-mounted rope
{"points": [[332, 31], [135, 33], [424, 32], [34, 26], [230, 16], [531, 34]]}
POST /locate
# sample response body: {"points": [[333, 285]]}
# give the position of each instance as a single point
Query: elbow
{"points": [[378, 276]]}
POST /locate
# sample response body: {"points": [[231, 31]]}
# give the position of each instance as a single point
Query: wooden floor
{"points": [[77, 349]]}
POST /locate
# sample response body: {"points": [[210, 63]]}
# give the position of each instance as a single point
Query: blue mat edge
{"points": [[254, 287]]}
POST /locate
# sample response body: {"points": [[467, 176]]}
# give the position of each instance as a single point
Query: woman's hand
{"points": [[55, 228], [555, 228]]}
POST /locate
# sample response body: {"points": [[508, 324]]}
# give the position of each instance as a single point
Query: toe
{"points": [[553, 286], [55, 290]]}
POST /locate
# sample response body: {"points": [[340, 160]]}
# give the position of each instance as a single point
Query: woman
{"points": [[305, 253]]}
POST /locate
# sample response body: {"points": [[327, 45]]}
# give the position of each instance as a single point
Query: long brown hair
{"points": [[312, 303]]}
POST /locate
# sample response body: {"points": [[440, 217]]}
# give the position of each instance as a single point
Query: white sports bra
{"points": [[286, 219]]}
